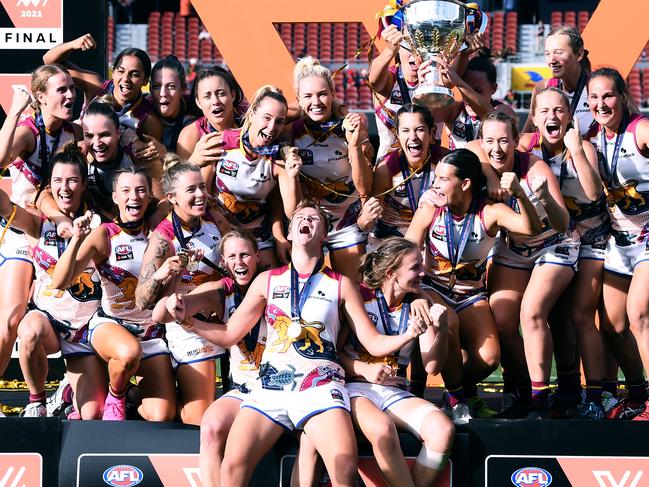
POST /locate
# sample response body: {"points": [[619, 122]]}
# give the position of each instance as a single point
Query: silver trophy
{"points": [[431, 28]]}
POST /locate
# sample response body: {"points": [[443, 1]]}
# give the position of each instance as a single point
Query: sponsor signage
{"points": [[21, 470]]}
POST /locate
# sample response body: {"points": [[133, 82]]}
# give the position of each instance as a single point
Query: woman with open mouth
{"points": [[570, 66], [336, 161], [458, 226], [27, 149], [123, 336], [221, 298], [131, 71], [622, 141], [256, 180], [57, 320], [574, 164], [220, 98], [529, 273], [190, 238], [170, 99]]}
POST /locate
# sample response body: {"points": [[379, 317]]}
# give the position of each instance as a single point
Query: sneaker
{"points": [[514, 407], [479, 408], [644, 415], [114, 411], [591, 410], [609, 401], [55, 403], [73, 414], [461, 414], [34, 410], [626, 409], [540, 412]]}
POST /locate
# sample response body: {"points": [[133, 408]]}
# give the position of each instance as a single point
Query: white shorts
{"points": [[187, 347], [72, 342], [382, 396], [344, 238], [458, 302], [564, 253], [235, 394], [150, 346], [15, 246], [292, 409], [624, 252], [593, 251]]}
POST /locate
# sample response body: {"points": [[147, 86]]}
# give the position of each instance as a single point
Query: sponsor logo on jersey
{"points": [[123, 476], [373, 318], [123, 252], [307, 156], [50, 237], [395, 97], [531, 477], [229, 168], [280, 292], [336, 395]]}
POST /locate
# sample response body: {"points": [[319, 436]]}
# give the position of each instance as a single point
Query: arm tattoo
{"points": [[150, 287]]}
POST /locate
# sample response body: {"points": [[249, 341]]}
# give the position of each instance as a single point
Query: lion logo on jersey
{"points": [[464, 270], [243, 211], [634, 201], [127, 299], [310, 333], [318, 190], [367, 357], [251, 359]]}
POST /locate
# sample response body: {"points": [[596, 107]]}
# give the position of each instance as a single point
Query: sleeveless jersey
{"points": [[119, 275], [582, 110], [26, 175], [203, 126], [465, 128], [77, 303], [309, 360], [171, 128], [589, 217], [470, 270], [397, 212], [100, 179], [243, 184], [245, 356], [400, 359], [628, 189], [326, 163], [207, 239]]}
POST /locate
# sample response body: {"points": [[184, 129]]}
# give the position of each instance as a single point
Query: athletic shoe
{"points": [[644, 415], [479, 408], [626, 409], [72, 414], [461, 414], [609, 401], [34, 410], [115, 410], [514, 407], [56, 403], [591, 410]]}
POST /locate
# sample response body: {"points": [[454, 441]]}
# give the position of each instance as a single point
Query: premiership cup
{"points": [[433, 27]]}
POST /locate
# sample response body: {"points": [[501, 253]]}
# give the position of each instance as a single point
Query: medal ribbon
{"points": [[385, 315], [178, 233], [44, 154], [581, 84], [455, 252], [268, 150], [251, 337], [403, 87], [611, 169], [298, 298], [407, 181]]}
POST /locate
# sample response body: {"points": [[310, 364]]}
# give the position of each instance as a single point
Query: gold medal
{"points": [[452, 280], [610, 199], [294, 329], [183, 259], [192, 265]]}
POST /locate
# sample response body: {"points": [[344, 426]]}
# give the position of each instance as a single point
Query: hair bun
{"points": [[170, 160]]}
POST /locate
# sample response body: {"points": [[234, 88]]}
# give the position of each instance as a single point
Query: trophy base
{"points": [[433, 96]]}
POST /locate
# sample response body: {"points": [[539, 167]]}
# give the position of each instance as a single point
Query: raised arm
{"points": [[157, 272], [15, 141], [21, 219], [289, 181], [207, 296], [356, 134], [499, 215], [379, 76], [420, 223], [546, 188], [585, 160]]}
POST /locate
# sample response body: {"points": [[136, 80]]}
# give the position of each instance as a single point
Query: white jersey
{"points": [[398, 324], [119, 276], [589, 217], [310, 360], [245, 356], [75, 305], [325, 162], [582, 110], [628, 188], [26, 175]]}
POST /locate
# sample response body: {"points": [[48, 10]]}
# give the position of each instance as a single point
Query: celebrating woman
{"points": [[124, 337]]}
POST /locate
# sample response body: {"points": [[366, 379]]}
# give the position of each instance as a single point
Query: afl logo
{"points": [[123, 476], [531, 477], [229, 168], [123, 252]]}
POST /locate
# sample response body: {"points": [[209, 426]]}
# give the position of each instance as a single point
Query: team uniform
{"points": [[626, 179], [465, 128], [465, 285], [382, 395], [386, 113], [578, 102], [100, 178], [245, 356], [300, 377], [185, 346], [589, 217], [171, 128], [119, 275], [243, 184], [70, 310], [26, 176], [400, 204], [548, 247], [327, 168]]}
